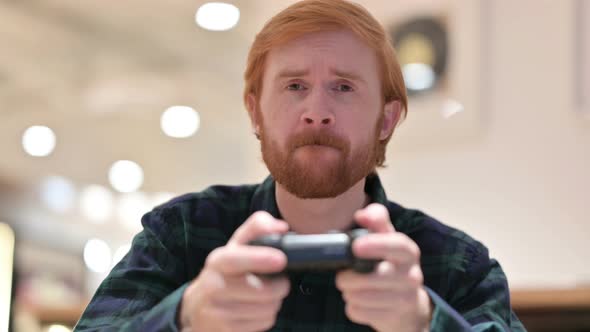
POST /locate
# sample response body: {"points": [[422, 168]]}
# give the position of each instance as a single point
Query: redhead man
{"points": [[324, 94]]}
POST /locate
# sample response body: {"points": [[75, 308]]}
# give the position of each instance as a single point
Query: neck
{"points": [[308, 216]]}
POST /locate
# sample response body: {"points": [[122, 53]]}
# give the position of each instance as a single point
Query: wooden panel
{"points": [[560, 310], [575, 298], [67, 315], [540, 310]]}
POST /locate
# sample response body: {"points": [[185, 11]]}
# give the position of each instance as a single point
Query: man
{"points": [[324, 94]]}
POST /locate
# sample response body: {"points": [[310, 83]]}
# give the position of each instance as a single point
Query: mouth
{"points": [[318, 147], [318, 141]]}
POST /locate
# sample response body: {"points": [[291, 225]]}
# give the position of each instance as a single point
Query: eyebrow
{"points": [[347, 75], [290, 73]]}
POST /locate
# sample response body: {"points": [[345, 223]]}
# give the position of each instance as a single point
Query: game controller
{"points": [[319, 252]]}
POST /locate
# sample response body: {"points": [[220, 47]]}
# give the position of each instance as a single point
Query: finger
{"points": [[375, 218], [232, 310], [258, 224], [255, 289], [400, 306], [384, 278], [395, 247], [365, 315], [379, 299], [253, 324], [241, 259]]}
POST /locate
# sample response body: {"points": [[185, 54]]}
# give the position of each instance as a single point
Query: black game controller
{"points": [[319, 252]]}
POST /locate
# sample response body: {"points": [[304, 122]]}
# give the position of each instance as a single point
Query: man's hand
{"points": [[392, 298], [227, 296]]}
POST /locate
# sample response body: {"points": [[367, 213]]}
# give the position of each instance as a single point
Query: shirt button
{"points": [[305, 290]]}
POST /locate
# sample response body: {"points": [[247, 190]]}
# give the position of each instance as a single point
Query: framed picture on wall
{"points": [[442, 45]]}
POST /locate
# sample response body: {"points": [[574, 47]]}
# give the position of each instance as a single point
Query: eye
{"points": [[344, 88], [295, 87]]}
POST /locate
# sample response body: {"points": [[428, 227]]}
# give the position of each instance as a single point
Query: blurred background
{"points": [[110, 108]]}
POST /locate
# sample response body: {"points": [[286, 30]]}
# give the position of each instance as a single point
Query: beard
{"points": [[318, 163]]}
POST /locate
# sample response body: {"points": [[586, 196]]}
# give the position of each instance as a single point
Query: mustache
{"points": [[314, 137]]}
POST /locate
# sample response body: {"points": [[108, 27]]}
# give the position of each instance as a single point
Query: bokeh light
{"points": [[180, 121], [58, 194], [38, 141], [130, 208], [126, 176], [97, 255], [96, 203], [217, 16], [418, 76]]}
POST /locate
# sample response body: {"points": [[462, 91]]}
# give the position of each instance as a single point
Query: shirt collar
{"points": [[264, 197]]}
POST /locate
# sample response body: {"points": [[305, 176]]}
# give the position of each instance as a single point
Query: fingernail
{"points": [[384, 268], [264, 217], [374, 208], [254, 281]]}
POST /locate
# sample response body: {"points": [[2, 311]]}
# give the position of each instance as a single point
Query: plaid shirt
{"points": [[143, 291]]}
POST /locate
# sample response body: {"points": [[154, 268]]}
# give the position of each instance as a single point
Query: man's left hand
{"points": [[392, 298]]}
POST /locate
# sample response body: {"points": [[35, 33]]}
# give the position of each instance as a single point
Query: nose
{"points": [[318, 112], [313, 120]]}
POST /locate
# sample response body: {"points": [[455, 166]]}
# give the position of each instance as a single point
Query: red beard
{"points": [[318, 164]]}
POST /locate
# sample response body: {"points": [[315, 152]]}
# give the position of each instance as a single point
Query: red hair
{"points": [[309, 16]]}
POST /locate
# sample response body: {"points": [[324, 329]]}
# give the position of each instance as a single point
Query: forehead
{"points": [[337, 50]]}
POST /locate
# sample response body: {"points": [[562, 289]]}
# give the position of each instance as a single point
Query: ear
{"points": [[251, 105], [391, 115]]}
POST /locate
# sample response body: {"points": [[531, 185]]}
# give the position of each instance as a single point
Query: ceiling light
{"points": [[97, 255], [58, 194], [180, 121], [126, 176], [130, 208], [38, 141], [418, 76], [120, 253], [217, 16], [96, 203], [451, 107]]}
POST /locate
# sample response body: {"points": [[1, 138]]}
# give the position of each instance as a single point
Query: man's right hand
{"points": [[228, 295]]}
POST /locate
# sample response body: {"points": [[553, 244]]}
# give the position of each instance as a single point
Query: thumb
{"points": [[260, 223], [375, 218]]}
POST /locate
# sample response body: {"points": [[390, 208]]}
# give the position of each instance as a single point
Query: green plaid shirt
{"points": [[143, 291]]}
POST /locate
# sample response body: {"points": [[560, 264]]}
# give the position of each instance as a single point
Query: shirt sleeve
{"points": [[481, 301], [143, 291]]}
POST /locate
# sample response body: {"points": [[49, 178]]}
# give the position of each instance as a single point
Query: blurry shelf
{"points": [[574, 298], [68, 315], [540, 310], [562, 310]]}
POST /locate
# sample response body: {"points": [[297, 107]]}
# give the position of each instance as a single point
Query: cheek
{"points": [[280, 121], [365, 133], [275, 130], [359, 126]]}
